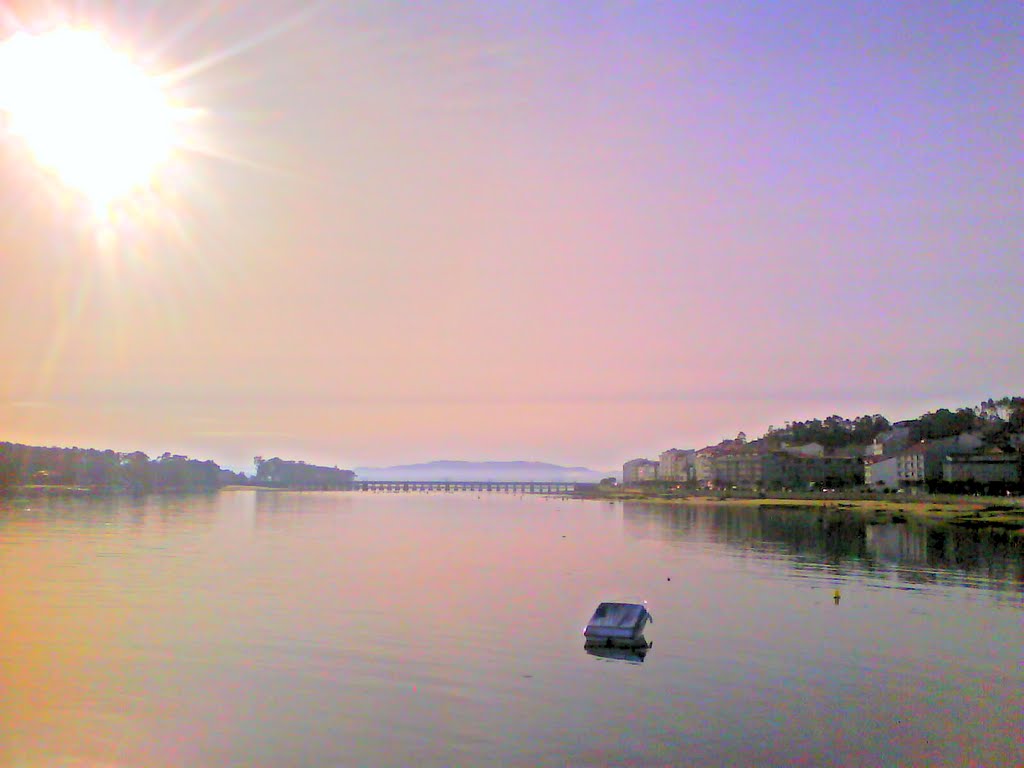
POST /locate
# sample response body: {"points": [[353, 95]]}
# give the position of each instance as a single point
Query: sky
{"points": [[555, 231]]}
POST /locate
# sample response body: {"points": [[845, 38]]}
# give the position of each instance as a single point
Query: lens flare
{"points": [[87, 113]]}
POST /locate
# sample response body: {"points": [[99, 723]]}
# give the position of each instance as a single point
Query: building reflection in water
{"points": [[912, 551]]}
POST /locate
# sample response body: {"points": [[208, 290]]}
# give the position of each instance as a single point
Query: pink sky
{"points": [[573, 233]]}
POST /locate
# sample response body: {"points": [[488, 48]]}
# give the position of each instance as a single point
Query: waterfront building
{"points": [[989, 468], [921, 464], [881, 472], [834, 471], [639, 471], [703, 467], [741, 470], [677, 464], [704, 459], [779, 469]]}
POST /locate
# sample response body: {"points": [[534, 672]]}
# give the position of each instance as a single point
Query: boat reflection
{"points": [[633, 651]]}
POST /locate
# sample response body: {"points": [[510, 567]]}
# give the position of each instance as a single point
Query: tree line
{"points": [[28, 465], [298, 474]]}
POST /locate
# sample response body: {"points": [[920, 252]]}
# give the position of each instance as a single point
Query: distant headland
{"points": [[37, 469]]}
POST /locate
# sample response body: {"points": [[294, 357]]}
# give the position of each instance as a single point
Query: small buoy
{"points": [[836, 596], [669, 579]]}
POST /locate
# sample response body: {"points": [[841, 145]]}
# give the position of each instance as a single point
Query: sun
{"points": [[88, 114]]}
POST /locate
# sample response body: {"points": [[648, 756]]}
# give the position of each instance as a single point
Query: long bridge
{"points": [[480, 486]]}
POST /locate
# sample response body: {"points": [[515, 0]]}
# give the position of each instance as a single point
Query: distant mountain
{"points": [[482, 470]]}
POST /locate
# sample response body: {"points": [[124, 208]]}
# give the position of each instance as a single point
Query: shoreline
{"points": [[1005, 513], [967, 511]]}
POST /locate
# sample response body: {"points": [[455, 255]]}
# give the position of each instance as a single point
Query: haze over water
{"points": [[256, 628]]}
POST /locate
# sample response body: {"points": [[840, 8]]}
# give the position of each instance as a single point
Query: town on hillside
{"points": [[971, 450]]}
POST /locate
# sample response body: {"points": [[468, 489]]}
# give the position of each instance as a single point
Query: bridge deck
{"points": [[505, 486]]}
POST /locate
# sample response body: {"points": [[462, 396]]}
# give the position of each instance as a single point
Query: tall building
{"points": [[639, 471], [678, 464]]}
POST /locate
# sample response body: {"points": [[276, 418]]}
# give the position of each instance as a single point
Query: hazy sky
{"points": [[568, 231]]}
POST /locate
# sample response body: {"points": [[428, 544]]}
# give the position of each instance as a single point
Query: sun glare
{"points": [[86, 112]]}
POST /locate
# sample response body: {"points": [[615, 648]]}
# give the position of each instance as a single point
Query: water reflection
{"points": [[634, 653], [437, 630], [94, 515], [282, 510], [914, 551]]}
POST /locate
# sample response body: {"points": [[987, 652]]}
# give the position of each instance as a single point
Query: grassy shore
{"points": [[973, 511]]}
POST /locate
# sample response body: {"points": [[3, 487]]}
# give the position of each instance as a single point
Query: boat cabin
{"points": [[618, 624]]}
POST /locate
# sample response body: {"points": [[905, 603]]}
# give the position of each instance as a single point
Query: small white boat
{"points": [[618, 624]]}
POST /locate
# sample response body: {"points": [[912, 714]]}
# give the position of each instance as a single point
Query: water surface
{"points": [[300, 629]]}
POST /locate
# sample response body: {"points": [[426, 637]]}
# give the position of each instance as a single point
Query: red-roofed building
{"points": [[704, 460], [921, 464]]}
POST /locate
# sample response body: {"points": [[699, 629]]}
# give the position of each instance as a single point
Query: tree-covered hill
{"points": [[831, 432], [995, 420]]}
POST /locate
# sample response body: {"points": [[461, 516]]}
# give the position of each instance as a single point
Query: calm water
{"points": [[263, 629]]}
